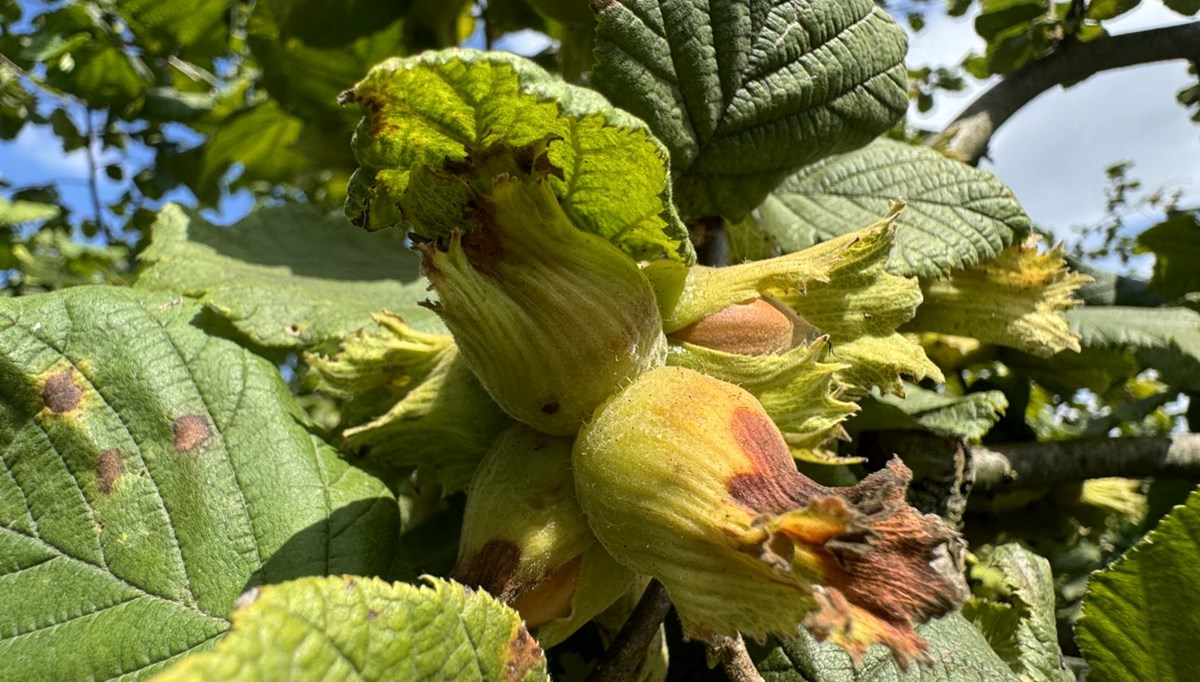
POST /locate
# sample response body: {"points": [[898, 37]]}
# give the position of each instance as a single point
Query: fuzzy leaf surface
{"points": [[959, 653], [150, 474], [965, 416], [352, 628], [441, 112], [1141, 613], [1016, 299], [286, 276], [1167, 338], [743, 93], [954, 215], [1014, 609]]}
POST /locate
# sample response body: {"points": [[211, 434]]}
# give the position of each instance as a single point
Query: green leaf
{"points": [[434, 116], [1101, 10], [1185, 7], [286, 276], [1141, 613], [84, 57], [743, 93], [332, 24], [19, 212], [999, 16], [356, 628], [954, 215], [150, 475], [307, 80], [262, 139], [1167, 339], [968, 416], [1015, 612], [958, 651], [1175, 243], [193, 29]]}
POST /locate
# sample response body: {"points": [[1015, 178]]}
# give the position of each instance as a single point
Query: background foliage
{"points": [[191, 102]]}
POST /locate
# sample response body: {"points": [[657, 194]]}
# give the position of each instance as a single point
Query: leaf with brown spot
{"points": [[117, 554], [60, 394], [108, 470], [367, 629], [191, 432]]}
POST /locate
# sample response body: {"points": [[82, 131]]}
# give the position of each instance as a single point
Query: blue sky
{"points": [[1052, 153]]}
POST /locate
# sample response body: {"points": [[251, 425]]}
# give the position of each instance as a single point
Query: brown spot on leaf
{"points": [[191, 432], [550, 407], [493, 568], [108, 470], [60, 394], [524, 655], [773, 485]]}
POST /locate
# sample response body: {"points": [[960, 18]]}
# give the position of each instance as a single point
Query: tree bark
{"points": [[629, 648], [1027, 465], [968, 136]]}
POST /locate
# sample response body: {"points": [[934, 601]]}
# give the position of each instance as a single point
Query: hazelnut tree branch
{"points": [[1027, 465], [629, 648], [967, 137], [731, 652]]}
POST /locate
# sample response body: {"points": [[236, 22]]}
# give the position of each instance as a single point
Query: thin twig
{"points": [[629, 648], [93, 176], [731, 652]]}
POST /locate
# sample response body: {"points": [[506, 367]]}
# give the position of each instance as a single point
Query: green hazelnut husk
{"points": [[552, 319], [526, 541], [685, 478]]}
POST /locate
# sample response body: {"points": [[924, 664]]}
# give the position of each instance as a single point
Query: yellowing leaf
{"points": [[1016, 299], [439, 127]]}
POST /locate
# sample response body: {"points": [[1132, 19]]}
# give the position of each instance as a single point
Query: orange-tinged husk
{"points": [[526, 541], [685, 478]]}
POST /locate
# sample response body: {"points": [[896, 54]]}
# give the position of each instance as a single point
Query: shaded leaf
{"points": [[968, 416], [286, 276], [958, 651], [198, 30], [743, 93], [1175, 243], [1185, 7], [151, 474], [954, 216], [1014, 609], [1141, 613], [366, 629], [329, 25], [1167, 339], [444, 115]]}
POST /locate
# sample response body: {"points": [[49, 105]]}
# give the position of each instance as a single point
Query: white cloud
{"points": [[36, 156]]}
